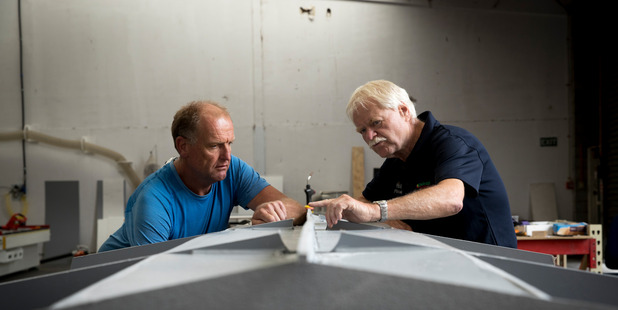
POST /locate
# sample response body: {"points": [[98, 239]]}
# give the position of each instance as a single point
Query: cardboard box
{"points": [[570, 229], [535, 229]]}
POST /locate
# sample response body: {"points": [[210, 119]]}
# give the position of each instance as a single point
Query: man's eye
{"points": [[362, 131], [376, 123]]}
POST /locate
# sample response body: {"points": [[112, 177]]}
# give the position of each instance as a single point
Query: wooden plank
{"points": [[358, 171]]}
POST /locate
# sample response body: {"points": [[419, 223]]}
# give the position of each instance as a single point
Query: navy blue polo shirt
{"points": [[449, 152]]}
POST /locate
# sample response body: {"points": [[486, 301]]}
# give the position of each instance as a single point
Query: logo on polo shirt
{"points": [[423, 184], [398, 189]]}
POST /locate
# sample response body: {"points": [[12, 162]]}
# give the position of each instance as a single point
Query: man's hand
{"points": [[346, 207], [271, 211]]}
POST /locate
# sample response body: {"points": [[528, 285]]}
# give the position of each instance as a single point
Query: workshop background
{"points": [[111, 73]]}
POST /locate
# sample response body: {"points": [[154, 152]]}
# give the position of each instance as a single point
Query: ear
{"points": [[403, 110], [181, 145]]}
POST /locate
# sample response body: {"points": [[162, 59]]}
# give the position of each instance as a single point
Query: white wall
{"points": [[116, 71], [11, 166], [501, 75]]}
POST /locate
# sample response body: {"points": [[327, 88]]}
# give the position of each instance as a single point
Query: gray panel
{"points": [[313, 286], [151, 249], [99, 201], [270, 242], [62, 216], [41, 292], [345, 225], [289, 223], [487, 249], [561, 282], [126, 253], [349, 243], [309, 286]]}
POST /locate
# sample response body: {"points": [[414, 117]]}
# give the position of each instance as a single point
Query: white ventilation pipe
{"points": [[30, 135]]}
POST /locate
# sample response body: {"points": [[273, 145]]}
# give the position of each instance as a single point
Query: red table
{"points": [[562, 246]]}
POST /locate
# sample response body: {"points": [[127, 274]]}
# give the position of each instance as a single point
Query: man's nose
{"points": [[226, 152], [369, 135]]}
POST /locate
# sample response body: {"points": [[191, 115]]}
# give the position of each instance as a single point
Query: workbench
{"points": [[20, 249], [590, 246]]}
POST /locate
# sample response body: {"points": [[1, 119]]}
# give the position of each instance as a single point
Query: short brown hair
{"points": [[187, 120]]}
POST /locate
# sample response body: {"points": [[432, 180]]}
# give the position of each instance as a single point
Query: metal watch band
{"points": [[383, 210]]}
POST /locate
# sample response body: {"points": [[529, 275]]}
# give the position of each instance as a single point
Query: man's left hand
{"points": [[267, 212]]}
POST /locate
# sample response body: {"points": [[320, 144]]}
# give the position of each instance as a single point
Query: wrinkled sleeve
{"points": [[248, 183], [459, 161], [150, 220]]}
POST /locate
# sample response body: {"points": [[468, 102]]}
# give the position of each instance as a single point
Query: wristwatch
{"points": [[383, 210]]}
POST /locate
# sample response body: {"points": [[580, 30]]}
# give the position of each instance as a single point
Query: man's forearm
{"points": [[295, 210], [441, 200]]}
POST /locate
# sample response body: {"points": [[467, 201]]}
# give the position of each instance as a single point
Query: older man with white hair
{"points": [[436, 179]]}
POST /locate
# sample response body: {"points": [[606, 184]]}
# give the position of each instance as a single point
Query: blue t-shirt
{"points": [[162, 208], [449, 152]]}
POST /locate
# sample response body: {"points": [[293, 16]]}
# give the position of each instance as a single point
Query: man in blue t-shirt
{"points": [[194, 194], [436, 179]]}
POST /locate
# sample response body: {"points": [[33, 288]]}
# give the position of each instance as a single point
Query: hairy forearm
{"points": [[294, 210], [441, 200]]}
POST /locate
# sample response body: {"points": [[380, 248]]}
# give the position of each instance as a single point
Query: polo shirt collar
{"points": [[430, 123]]}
